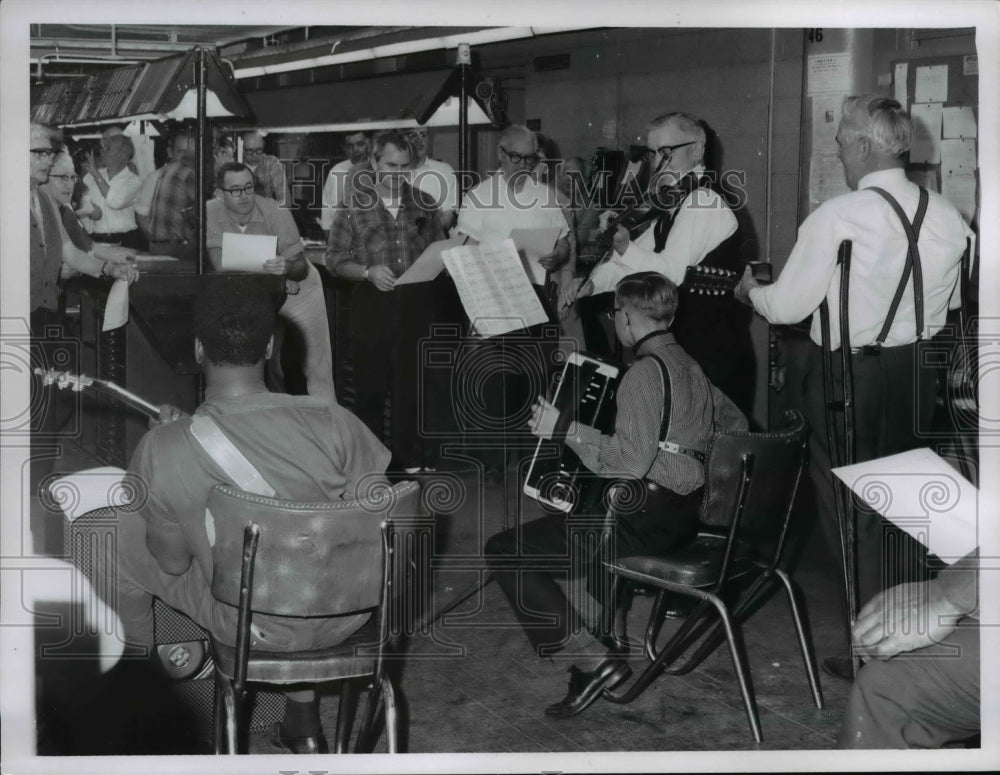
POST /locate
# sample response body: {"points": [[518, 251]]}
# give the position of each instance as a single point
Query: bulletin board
{"points": [[942, 97]]}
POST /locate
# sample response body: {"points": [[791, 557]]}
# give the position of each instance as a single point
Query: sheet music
{"points": [[430, 263], [535, 243], [493, 287], [920, 493], [247, 252], [116, 307]]}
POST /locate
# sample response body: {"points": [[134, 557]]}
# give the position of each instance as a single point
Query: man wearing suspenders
{"points": [[907, 246]]}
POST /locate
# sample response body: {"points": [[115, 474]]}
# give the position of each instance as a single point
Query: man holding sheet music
{"points": [[511, 200], [238, 210], [383, 227]]}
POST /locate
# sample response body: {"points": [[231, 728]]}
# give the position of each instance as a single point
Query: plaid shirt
{"points": [[365, 232], [176, 191]]}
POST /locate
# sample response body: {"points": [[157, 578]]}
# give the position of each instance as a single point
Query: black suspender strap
{"points": [[669, 446], [912, 232]]}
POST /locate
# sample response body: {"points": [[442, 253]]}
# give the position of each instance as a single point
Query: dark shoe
{"points": [[586, 686], [839, 668], [309, 744]]}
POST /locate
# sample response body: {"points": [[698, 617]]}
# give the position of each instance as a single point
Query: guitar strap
{"points": [[234, 463]]}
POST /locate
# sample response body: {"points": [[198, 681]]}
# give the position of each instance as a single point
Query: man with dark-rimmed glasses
{"points": [[694, 225]]}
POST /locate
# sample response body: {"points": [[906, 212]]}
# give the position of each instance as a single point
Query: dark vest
{"points": [[45, 255]]}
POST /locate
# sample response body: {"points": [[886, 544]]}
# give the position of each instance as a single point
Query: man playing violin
{"points": [[690, 223]]}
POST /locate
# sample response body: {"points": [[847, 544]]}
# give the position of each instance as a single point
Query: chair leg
{"points": [[218, 716], [366, 737], [655, 624], [345, 715], [804, 645], [391, 721], [741, 667]]}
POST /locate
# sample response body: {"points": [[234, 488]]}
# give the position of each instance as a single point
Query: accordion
{"points": [[584, 392]]}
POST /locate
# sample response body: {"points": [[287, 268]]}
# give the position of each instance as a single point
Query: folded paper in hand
{"points": [[95, 488], [921, 494]]}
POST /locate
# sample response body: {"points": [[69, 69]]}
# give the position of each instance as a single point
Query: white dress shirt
{"points": [[333, 192], [144, 202], [437, 180], [703, 221], [878, 255], [117, 208], [490, 210]]}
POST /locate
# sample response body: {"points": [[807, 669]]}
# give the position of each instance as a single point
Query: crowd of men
{"points": [[383, 206]]}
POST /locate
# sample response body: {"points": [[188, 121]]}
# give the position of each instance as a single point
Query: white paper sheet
{"points": [[924, 177], [920, 493], [430, 263], [960, 190], [829, 72], [899, 83], [926, 145], [533, 243], [826, 180], [958, 123], [89, 490], [493, 287], [931, 84], [116, 308], [958, 157], [247, 252]]}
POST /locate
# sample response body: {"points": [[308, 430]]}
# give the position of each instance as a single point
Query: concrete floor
{"points": [[470, 683]]}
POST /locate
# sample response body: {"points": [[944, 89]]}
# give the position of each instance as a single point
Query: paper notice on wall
{"points": [[493, 287], [899, 83], [958, 157], [829, 72], [926, 178], [960, 190], [826, 111], [920, 493], [958, 123], [970, 64], [926, 145], [931, 84], [116, 307], [826, 180]]}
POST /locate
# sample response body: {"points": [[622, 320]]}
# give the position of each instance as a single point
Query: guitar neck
{"points": [[79, 382], [131, 399]]}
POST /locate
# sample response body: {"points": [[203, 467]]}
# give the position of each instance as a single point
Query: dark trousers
{"points": [[894, 397], [526, 559], [134, 239]]}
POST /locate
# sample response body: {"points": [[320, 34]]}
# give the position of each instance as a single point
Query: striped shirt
{"points": [[632, 451]]}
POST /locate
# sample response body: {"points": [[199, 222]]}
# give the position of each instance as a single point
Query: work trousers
{"points": [[894, 397], [920, 699]]}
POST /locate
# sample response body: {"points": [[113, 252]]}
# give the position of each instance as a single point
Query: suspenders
{"points": [[912, 232], [669, 446]]}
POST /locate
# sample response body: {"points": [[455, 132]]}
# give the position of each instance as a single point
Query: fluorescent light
{"points": [[356, 126], [490, 35]]}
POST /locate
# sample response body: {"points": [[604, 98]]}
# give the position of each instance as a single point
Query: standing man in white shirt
{"points": [[114, 188], [894, 393], [694, 225], [268, 172], [435, 178], [357, 148]]}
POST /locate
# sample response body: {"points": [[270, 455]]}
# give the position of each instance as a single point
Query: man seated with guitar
{"points": [[667, 412], [684, 222], [304, 448]]}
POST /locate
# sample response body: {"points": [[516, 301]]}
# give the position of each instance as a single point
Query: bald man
{"points": [[269, 175]]}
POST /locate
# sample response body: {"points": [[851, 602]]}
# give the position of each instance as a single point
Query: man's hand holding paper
{"points": [[250, 253]]}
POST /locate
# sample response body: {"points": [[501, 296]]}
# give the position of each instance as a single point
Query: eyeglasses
{"points": [[612, 312], [253, 151], [666, 151], [240, 191], [416, 134], [70, 178], [519, 158], [45, 153]]}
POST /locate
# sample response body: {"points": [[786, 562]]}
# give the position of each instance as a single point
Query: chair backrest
{"points": [[776, 461], [313, 559]]}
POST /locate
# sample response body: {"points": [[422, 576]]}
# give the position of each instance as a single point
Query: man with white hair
{"points": [[892, 282], [114, 188], [268, 173]]}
